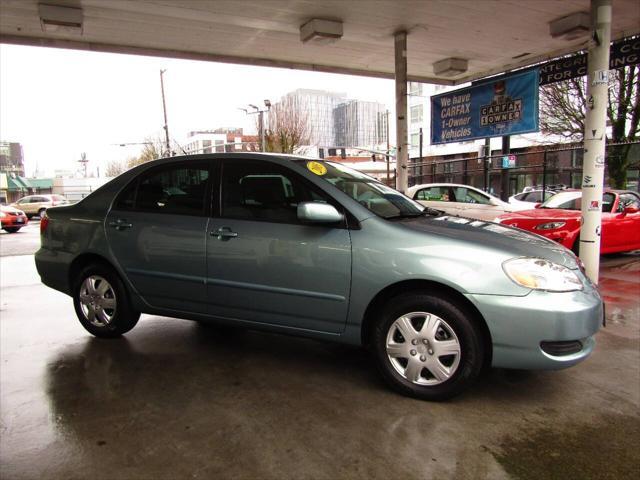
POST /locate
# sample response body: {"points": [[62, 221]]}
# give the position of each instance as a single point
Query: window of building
{"points": [[416, 114], [415, 140], [415, 88]]}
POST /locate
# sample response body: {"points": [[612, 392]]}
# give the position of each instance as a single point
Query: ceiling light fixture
{"points": [[450, 67], [60, 19], [320, 31], [571, 26]]}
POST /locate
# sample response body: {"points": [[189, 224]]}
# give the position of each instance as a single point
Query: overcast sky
{"points": [[60, 103]]}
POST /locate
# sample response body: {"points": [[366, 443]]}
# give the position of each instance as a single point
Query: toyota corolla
{"points": [[313, 248]]}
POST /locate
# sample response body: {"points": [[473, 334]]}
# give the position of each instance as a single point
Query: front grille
{"points": [[561, 349]]}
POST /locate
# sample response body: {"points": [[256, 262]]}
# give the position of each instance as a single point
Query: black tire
{"points": [[11, 229], [41, 212], [122, 318], [450, 316]]}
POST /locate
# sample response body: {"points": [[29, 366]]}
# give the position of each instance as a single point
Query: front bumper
{"points": [[519, 325]]}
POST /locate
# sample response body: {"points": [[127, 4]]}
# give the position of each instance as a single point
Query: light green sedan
{"points": [[313, 248]]}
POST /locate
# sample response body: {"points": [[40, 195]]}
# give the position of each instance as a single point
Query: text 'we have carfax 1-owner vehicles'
{"points": [[315, 249]]}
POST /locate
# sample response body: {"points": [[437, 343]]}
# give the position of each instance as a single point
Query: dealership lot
{"points": [[174, 399]]}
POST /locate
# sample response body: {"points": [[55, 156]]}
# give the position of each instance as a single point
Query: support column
{"points": [[505, 172], [402, 137], [595, 136]]}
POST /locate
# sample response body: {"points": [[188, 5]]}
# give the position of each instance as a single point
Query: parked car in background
{"points": [[559, 220], [462, 200], [34, 205], [314, 248], [530, 197], [12, 219]]}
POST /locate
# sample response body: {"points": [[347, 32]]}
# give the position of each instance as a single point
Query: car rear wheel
{"points": [[12, 229], [102, 303], [427, 347], [41, 212]]}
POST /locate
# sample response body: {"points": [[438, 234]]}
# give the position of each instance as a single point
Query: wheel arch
{"points": [[426, 286], [81, 261]]}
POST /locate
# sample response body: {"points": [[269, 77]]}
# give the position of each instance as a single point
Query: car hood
{"points": [[542, 213], [510, 240]]}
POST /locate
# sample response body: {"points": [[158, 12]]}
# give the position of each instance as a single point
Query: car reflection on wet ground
{"points": [[175, 399]]}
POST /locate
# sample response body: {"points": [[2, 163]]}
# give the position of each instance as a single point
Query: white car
{"points": [[463, 200], [531, 196]]}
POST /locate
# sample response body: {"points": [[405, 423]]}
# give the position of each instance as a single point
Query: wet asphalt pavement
{"points": [[174, 399]]}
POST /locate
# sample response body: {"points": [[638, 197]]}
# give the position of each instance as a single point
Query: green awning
{"points": [[18, 184]]}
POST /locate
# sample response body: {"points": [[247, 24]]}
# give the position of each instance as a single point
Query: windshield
{"points": [[564, 200], [375, 196]]}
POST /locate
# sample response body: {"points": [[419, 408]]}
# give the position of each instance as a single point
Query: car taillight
{"points": [[44, 223], [53, 203]]}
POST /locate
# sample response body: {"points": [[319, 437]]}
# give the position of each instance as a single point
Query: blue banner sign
{"points": [[507, 105]]}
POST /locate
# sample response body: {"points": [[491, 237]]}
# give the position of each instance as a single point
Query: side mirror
{"points": [[313, 212], [537, 205]]}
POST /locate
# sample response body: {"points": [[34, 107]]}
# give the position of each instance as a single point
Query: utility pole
{"points": [[595, 126], [164, 109], [83, 160], [420, 168]]}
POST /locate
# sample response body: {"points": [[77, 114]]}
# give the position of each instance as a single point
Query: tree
{"points": [[152, 150], [114, 168], [287, 127], [563, 107]]}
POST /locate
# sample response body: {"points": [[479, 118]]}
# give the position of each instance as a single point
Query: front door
{"points": [[263, 264], [156, 231]]}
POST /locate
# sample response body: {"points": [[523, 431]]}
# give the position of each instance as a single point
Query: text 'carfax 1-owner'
{"points": [[505, 105]]}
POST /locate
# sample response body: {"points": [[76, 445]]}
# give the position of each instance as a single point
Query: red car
{"points": [[560, 216], [12, 219]]}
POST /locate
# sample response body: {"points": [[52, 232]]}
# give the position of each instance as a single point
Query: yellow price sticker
{"points": [[317, 168]]}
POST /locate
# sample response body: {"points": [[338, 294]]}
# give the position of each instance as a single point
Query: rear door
{"points": [[474, 204], [264, 265], [157, 230]]}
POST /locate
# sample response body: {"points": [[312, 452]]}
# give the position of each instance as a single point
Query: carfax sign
{"points": [[507, 105]]}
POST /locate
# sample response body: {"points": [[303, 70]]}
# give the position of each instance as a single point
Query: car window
{"points": [[628, 200], [263, 191], [521, 197], [24, 200], [534, 196], [174, 189], [434, 194], [466, 195], [607, 202]]}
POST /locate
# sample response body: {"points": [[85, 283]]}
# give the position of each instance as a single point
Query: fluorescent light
{"points": [[321, 31], [60, 19], [450, 67], [571, 27]]}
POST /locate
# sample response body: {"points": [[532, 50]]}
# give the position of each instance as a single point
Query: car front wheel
{"points": [[427, 347], [11, 229], [101, 302]]}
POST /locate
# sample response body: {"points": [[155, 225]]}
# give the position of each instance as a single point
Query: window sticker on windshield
{"points": [[317, 168]]}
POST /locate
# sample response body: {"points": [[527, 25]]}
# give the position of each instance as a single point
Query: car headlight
{"points": [[497, 220], [549, 226], [540, 274]]}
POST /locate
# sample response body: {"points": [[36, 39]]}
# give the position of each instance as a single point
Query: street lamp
{"points": [[261, 133]]}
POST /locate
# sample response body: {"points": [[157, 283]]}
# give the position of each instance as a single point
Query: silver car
{"points": [[313, 248]]}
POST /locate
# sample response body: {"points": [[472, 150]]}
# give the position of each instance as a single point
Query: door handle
{"points": [[120, 224], [224, 234]]}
